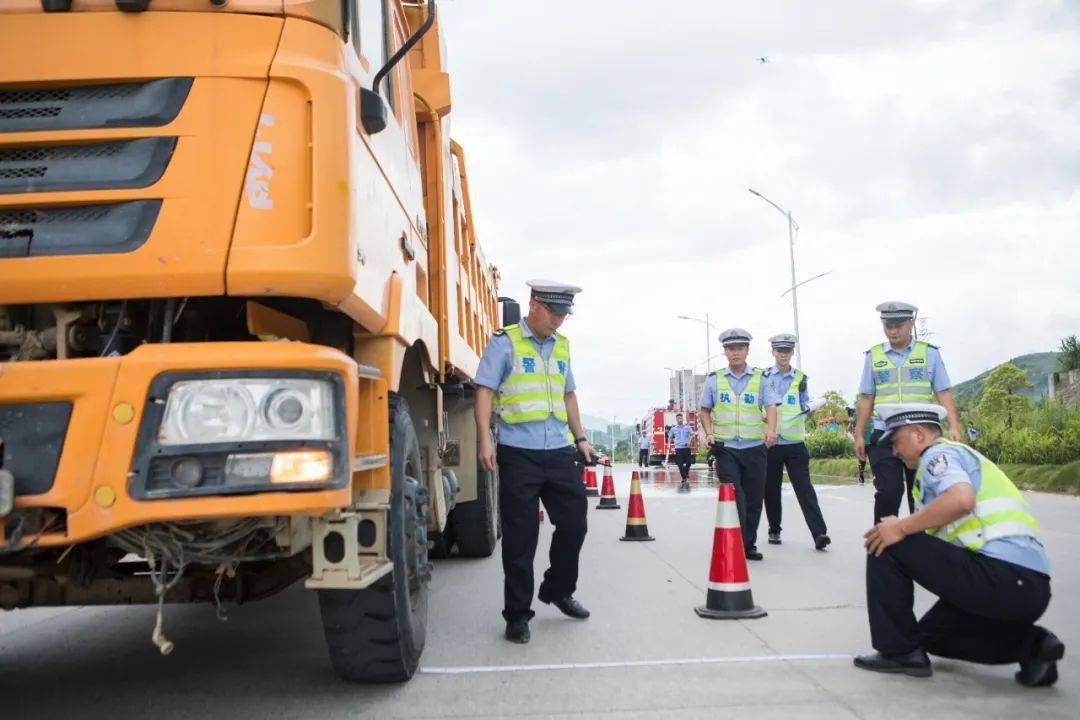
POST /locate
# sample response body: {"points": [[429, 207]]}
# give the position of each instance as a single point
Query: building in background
{"points": [[685, 390]]}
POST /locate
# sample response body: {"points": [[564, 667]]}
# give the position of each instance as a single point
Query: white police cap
{"points": [[895, 310], [783, 341], [557, 296], [896, 415], [735, 336]]}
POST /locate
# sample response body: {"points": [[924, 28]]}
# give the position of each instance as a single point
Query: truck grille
{"points": [[129, 164], [82, 229], [144, 104], [33, 436]]}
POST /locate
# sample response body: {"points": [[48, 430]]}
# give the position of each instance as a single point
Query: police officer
{"points": [[973, 543], [731, 409], [539, 426], [679, 435], [901, 369], [789, 385], [643, 450]]}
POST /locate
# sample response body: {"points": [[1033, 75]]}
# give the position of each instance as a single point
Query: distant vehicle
{"points": [[657, 422]]}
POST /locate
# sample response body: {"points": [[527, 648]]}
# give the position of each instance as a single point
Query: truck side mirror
{"points": [[372, 112], [511, 311]]}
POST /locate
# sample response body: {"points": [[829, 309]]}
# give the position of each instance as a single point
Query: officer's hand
{"points": [[954, 435], [770, 439], [485, 450], [860, 449], [586, 450], [887, 532]]}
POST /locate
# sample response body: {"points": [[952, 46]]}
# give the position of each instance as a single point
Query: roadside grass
{"points": [[1064, 479]]}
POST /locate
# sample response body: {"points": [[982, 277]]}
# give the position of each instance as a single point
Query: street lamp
{"points": [[792, 227], [708, 327]]}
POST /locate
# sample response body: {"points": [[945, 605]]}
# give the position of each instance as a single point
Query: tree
{"points": [[1000, 401], [835, 406], [1069, 359]]}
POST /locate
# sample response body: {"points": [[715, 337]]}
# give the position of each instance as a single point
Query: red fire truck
{"points": [[657, 422]]}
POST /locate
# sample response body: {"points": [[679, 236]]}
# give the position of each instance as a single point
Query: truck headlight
{"points": [[201, 412]]}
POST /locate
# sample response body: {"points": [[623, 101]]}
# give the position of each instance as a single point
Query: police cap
{"points": [[557, 296]]}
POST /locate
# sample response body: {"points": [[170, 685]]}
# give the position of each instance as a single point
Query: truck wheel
{"points": [[476, 523], [376, 635]]}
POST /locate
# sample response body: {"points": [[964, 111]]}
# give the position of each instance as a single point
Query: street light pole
{"points": [[792, 227], [708, 341]]}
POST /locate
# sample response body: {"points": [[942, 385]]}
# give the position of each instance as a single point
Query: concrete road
{"points": [[644, 653]]}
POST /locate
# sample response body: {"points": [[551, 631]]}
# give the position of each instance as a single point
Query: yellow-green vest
{"points": [[535, 388], [905, 384], [1000, 510], [791, 422], [737, 415]]}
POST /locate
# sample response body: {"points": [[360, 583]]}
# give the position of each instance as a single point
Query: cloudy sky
{"points": [[929, 151]]}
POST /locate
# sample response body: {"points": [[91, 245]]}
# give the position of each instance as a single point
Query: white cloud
{"points": [[930, 152]]}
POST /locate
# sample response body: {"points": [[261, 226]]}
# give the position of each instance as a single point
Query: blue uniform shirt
{"points": [[643, 442], [935, 370], [952, 465], [680, 435], [738, 384], [781, 383], [495, 366]]}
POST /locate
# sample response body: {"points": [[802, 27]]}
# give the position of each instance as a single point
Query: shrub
{"points": [[830, 444]]}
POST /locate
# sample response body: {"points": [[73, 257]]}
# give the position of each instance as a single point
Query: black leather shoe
{"points": [[571, 608], [517, 631], [753, 554], [821, 542], [915, 663], [1041, 669], [774, 538]]}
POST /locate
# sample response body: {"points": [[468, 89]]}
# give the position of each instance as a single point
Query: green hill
{"points": [[1038, 367]]}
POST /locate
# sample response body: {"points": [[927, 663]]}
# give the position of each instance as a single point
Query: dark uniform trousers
{"points": [[746, 470], [985, 614], [551, 476], [683, 460], [643, 457], [890, 478], [796, 459]]}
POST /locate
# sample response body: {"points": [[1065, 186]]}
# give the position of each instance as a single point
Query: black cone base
{"points": [[639, 533], [592, 492], [737, 605], [608, 504]]}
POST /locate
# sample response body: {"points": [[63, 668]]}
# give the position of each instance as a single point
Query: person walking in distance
{"points": [[679, 437], [527, 366], [732, 404], [789, 385], [643, 450], [901, 369]]}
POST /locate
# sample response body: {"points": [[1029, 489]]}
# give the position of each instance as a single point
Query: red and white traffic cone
{"points": [[591, 490], [607, 493], [729, 596], [541, 516], [636, 527]]}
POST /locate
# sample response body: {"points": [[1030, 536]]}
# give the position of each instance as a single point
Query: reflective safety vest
{"points": [[1000, 510], [792, 421], [905, 384], [535, 388], [737, 415]]}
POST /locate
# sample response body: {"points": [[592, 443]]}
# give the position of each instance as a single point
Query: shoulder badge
{"points": [[768, 372], [499, 332], [938, 465]]}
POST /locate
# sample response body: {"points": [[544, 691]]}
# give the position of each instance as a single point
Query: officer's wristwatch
{"points": [[578, 441]]}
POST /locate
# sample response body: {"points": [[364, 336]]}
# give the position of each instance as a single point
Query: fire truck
{"points": [[657, 422]]}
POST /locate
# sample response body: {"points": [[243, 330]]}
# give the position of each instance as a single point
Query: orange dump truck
{"points": [[241, 304]]}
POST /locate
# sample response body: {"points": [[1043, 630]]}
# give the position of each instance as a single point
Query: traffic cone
{"points": [[541, 515], [729, 596], [591, 490], [607, 494], [636, 528]]}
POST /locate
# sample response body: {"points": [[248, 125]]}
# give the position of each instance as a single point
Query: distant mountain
{"points": [[1038, 367]]}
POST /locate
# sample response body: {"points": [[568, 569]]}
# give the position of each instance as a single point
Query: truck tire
{"points": [[476, 524], [376, 635]]}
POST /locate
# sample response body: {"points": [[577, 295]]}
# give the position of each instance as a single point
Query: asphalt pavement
{"points": [[644, 653]]}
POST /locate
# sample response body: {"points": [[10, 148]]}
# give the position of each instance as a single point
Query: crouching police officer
{"points": [[528, 365], [972, 542]]}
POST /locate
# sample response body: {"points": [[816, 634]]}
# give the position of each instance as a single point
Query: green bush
{"points": [[1042, 478], [830, 444]]}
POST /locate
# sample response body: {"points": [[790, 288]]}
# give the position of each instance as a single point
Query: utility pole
{"points": [[792, 227]]}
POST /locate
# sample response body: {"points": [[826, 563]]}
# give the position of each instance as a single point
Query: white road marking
{"points": [[628, 664]]}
